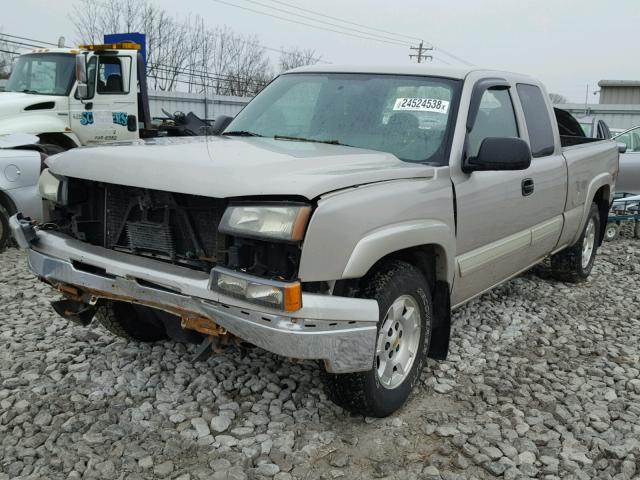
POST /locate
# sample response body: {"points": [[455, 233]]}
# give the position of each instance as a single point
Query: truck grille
{"points": [[175, 227]]}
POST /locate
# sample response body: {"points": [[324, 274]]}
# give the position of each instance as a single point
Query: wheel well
{"points": [[58, 139], [601, 199], [432, 263], [7, 204]]}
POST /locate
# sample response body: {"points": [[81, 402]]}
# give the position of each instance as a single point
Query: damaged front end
{"points": [[102, 252]]}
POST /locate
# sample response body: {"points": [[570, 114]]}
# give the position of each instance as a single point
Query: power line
{"points": [[345, 21], [310, 25], [410, 37], [316, 59], [9, 51], [321, 21], [28, 39]]}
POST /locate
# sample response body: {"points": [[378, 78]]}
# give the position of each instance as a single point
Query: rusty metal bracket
{"points": [[202, 325]]}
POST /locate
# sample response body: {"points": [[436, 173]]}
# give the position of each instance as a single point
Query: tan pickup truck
{"points": [[339, 217]]}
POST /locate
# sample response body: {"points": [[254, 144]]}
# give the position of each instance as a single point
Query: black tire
{"points": [[362, 393], [568, 265], [611, 232], [132, 322], [5, 233], [636, 229]]}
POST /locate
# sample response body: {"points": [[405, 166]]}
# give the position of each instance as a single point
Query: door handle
{"points": [[527, 187]]}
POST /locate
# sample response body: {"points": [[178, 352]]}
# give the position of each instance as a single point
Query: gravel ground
{"points": [[542, 381]]}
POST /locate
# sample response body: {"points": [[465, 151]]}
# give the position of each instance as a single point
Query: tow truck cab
{"points": [[90, 95]]}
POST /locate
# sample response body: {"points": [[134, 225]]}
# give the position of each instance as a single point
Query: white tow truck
{"points": [[90, 95]]}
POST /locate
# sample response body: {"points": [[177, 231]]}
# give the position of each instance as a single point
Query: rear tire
{"points": [[404, 335], [574, 264], [5, 233], [132, 322], [611, 232]]}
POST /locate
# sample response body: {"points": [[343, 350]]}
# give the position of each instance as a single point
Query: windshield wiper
{"points": [[30, 91], [243, 133], [313, 140]]}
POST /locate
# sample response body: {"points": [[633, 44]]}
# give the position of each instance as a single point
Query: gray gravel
{"points": [[542, 382]]}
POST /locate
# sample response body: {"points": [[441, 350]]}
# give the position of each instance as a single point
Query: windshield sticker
{"points": [[422, 105]]}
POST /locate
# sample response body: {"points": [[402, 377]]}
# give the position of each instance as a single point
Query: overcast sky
{"points": [[566, 43]]}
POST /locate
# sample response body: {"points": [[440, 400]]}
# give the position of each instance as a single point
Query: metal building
{"points": [[619, 104]]}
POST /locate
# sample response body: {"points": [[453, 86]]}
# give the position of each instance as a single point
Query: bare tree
{"points": [[183, 52], [557, 98], [6, 58], [295, 57]]}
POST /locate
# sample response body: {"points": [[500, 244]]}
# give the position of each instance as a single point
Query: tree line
{"points": [[186, 54]]}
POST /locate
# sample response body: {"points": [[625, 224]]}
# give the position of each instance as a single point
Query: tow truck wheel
{"points": [[133, 322], [404, 334], [611, 232], [5, 234], [574, 264]]}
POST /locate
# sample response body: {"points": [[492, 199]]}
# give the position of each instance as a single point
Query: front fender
{"points": [[34, 123], [400, 236], [352, 229]]}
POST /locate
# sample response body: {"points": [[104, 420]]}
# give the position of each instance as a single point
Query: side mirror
{"points": [[622, 147], [499, 153], [132, 123], [221, 122], [81, 76]]}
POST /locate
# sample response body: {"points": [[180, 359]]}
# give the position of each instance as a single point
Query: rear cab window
{"points": [[537, 119]]}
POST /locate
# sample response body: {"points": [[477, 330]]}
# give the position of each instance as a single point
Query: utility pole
{"points": [[420, 55]]}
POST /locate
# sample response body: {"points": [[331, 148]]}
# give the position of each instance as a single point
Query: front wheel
{"points": [[404, 334], [574, 264], [132, 322]]}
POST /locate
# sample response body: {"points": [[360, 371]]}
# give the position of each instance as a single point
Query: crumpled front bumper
{"points": [[339, 330]]}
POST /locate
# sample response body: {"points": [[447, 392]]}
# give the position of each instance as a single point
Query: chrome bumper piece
{"points": [[339, 330]]}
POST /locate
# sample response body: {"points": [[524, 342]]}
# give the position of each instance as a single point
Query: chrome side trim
{"points": [[483, 256]]}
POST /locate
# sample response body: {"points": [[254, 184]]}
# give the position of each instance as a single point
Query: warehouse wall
{"points": [[195, 102], [616, 116]]}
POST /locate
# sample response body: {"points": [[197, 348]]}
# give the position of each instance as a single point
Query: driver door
{"points": [[104, 116]]}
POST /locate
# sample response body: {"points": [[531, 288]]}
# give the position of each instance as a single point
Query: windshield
{"points": [[408, 116], [45, 74]]}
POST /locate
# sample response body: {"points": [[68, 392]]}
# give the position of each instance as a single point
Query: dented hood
{"points": [[225, 167]]}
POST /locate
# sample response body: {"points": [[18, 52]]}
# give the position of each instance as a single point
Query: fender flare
{"points": [[602, 180], [389, 239]]}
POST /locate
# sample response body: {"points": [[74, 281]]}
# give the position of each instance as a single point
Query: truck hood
{"points": [[14, 103], [226, 167]]}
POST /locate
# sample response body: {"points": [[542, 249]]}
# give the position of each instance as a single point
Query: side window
{"points": [[496, 118], [113, 75], [91, 78], [536, 116]]}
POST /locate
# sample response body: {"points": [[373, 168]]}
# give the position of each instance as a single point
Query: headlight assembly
{"points": [[285, 222]]}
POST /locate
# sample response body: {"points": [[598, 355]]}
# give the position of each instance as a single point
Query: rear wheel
{"points": [[133, 322], [5, 235], [574, 264], [404, 334]]}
